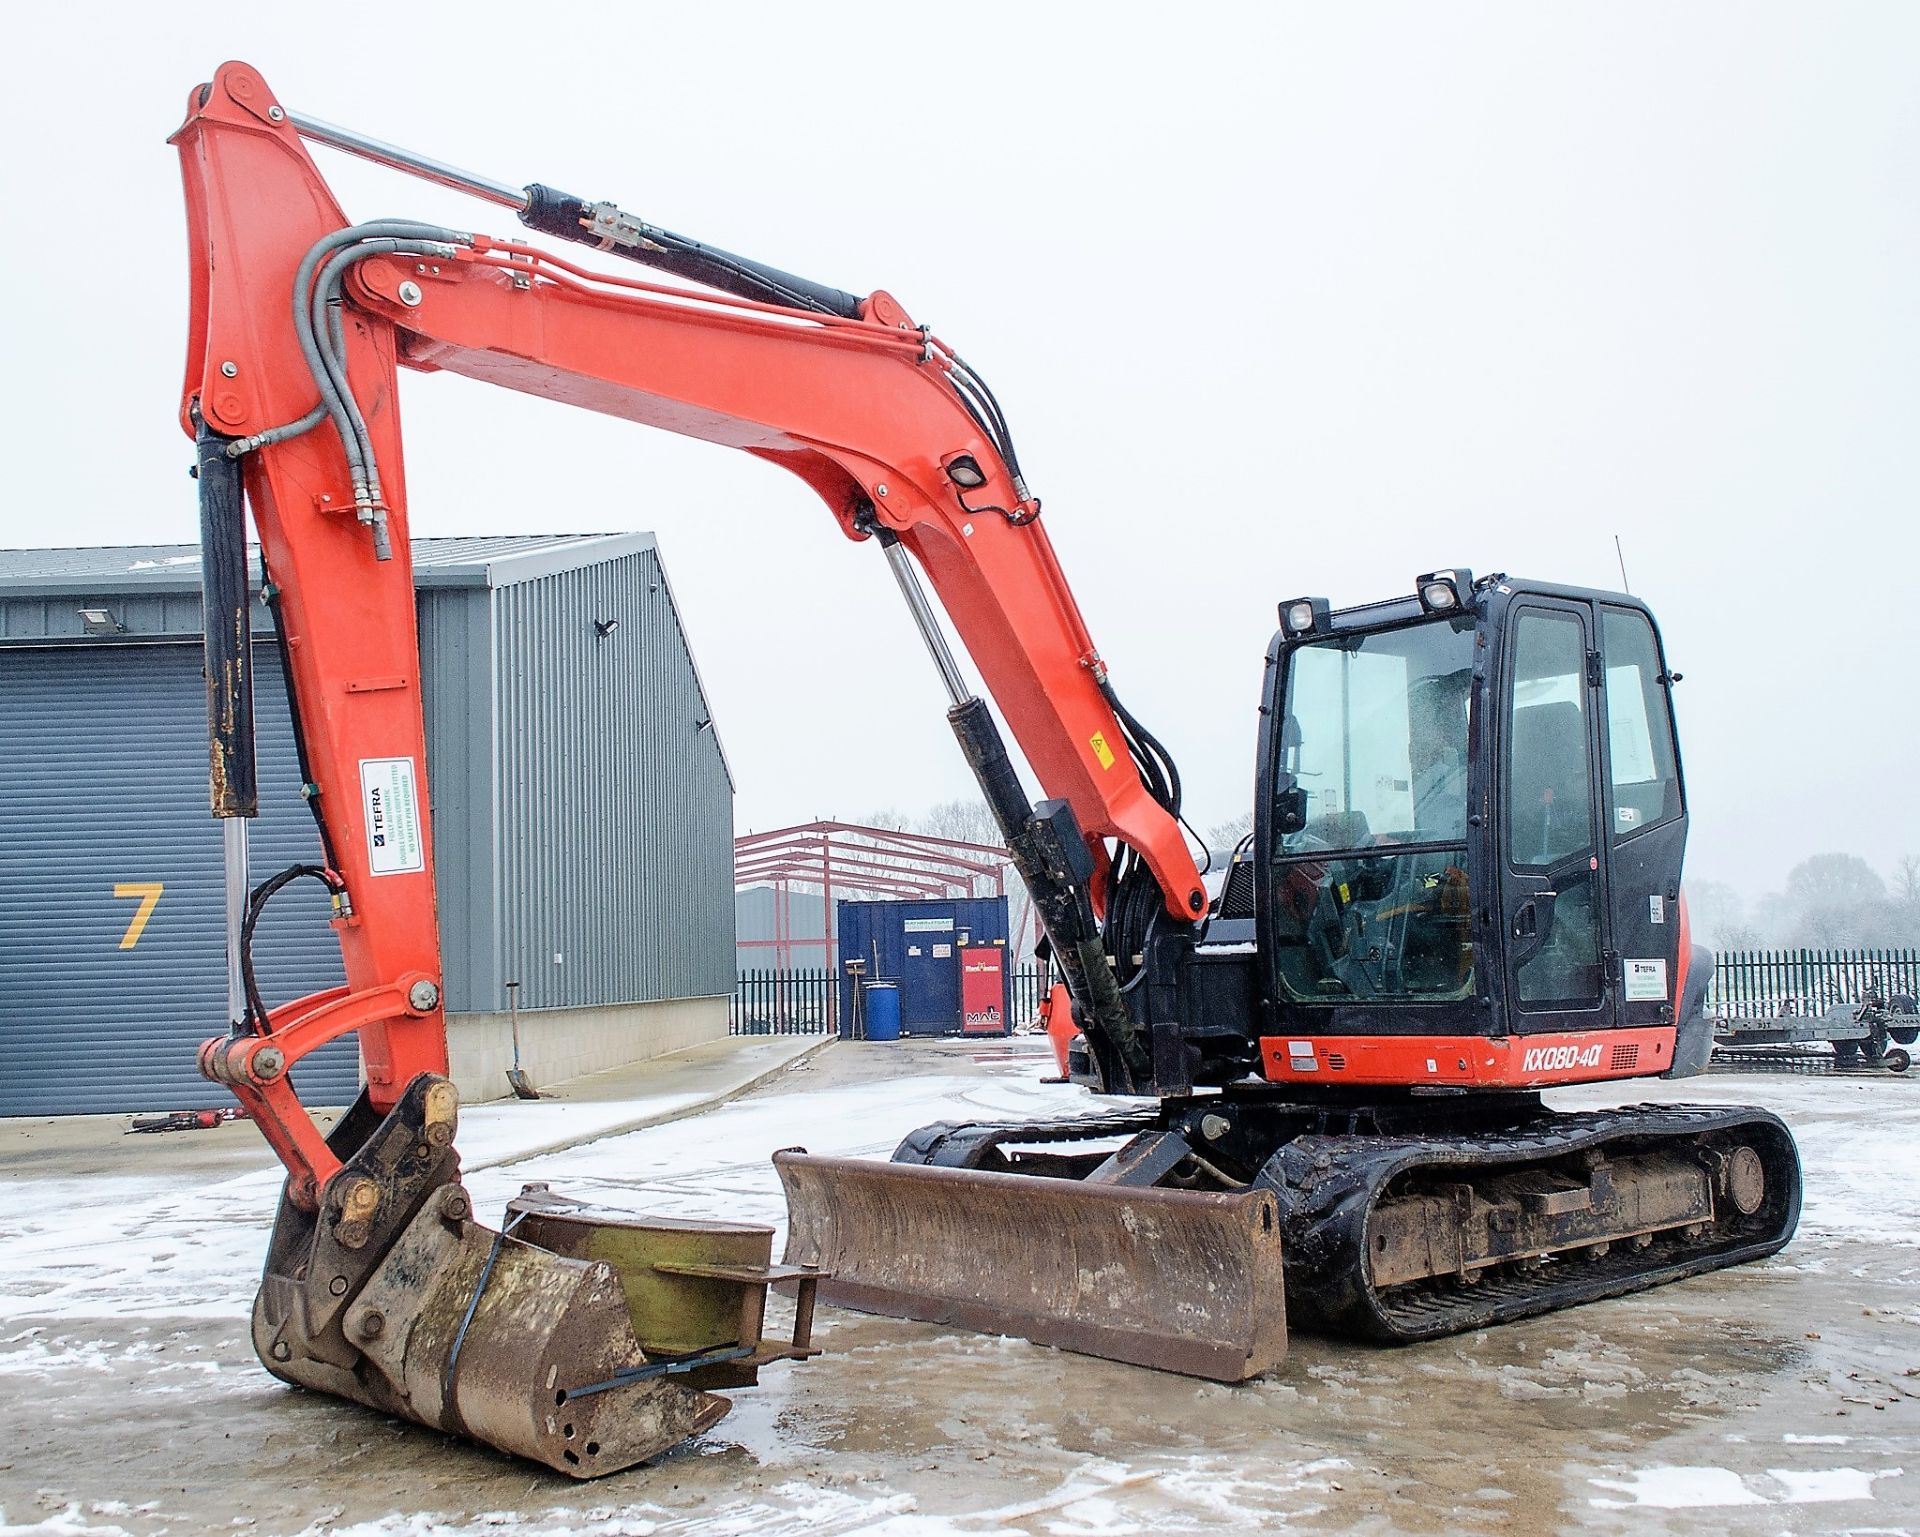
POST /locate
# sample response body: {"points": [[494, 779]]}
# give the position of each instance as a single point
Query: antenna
{"points": [[1625, 586]]}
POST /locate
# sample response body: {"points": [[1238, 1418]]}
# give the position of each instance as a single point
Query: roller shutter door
{"points": [[103, 786]]}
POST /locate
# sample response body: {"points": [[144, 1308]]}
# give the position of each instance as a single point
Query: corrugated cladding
{"points": [[104, 786], [456, 672], [756, 916], [615, 809], [579, 807]]}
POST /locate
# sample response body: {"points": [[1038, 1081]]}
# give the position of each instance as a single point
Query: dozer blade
{"points": [[390, 1294], [1180, 1280]]}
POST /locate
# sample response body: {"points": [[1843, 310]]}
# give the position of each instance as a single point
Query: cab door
{"points": [[1551, 857], [1644, 814]]}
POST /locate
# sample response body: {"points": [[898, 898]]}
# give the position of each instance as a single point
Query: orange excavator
{"points": [[1322, 1084]]}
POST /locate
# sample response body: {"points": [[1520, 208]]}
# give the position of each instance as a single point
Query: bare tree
{"points": [[1906, 896], [1715, 909], [1223, 837], [968, 820], [1906, 881], [1837, 899]]}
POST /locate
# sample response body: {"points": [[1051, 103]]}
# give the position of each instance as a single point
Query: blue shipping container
{"points": [[917, 944]]}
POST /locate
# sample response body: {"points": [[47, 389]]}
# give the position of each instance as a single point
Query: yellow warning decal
{"points": [[1098, 741]]}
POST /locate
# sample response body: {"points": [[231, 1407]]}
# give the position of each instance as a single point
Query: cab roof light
{"points": [[1448, 591], [1304, 616]]}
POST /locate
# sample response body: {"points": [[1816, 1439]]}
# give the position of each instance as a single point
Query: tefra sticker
{"points": [[1646, 981], [394, 844]]}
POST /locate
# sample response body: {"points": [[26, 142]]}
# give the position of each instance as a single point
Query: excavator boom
{"points": [[380, 1285]]}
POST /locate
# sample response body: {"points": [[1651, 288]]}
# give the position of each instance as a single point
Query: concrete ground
{"points": [[1780, 1397]]}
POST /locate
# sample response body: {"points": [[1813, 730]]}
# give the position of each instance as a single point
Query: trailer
{"points": [[1875, 1031]]}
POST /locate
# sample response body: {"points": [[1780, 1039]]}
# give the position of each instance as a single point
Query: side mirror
{"points": [[1290, 810]]}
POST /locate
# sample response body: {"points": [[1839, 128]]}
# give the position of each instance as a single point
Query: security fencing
{"points": [[1747, 984], [806, 1000], [1769, 984]]}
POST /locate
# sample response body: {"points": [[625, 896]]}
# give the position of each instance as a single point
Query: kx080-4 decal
{"points": [[1553, 1059]]}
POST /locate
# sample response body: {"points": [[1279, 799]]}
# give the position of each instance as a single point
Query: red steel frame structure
{"points": [[870, 861]]}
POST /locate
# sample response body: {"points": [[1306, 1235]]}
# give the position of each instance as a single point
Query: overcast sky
{"points": [[1281, 300]]}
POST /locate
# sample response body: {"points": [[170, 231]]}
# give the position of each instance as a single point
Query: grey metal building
{"points": [[582, 818]]}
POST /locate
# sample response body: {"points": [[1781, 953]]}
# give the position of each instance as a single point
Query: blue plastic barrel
{"points": [[883, 1011]]}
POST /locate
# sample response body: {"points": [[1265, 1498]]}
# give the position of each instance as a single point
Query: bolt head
{"points": [[268, 1063], [409, 292], [372, 1324], [423, 995], [880, 490], [229, 369], [338, 1286], [276, 114], [281, 1351]]}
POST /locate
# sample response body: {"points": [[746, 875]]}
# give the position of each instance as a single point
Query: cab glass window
{"points": [[1369, 887], [1646, 783], [1374, 742], [1549, 774], [1550, 806]]}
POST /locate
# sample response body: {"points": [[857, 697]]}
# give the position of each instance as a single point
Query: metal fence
{"points": [[807, 1001], [1747, 984], [1030, 985], [1767, 984]]}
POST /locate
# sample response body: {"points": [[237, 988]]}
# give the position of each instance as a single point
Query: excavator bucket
{"points": [[1182, 1280], [391, 1294]]}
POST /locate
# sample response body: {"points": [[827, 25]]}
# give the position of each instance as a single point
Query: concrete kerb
{"points": [[660, 1117]]}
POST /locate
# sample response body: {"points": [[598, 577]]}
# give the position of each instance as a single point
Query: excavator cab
{"points": [[1464, 888], [1470, 823]]}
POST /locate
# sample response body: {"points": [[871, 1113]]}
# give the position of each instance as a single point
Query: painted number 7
{"points": [[149, 894]]}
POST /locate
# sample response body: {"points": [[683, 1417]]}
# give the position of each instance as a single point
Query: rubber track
{"points": [[1329, 1185]]}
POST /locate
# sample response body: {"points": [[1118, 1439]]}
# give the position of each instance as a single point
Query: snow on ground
{"points": [[139, 1247], [794, 1459], [505, 1129], [147, 1247], [720, 1163], [1665, 1488], [1199, 1491]]}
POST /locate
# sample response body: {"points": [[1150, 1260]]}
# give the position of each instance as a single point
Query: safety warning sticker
{"points": [[394, 844], [1646, 981]]}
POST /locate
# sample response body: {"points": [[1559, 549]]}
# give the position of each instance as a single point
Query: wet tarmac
{"points": [[1779, 1397]]}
